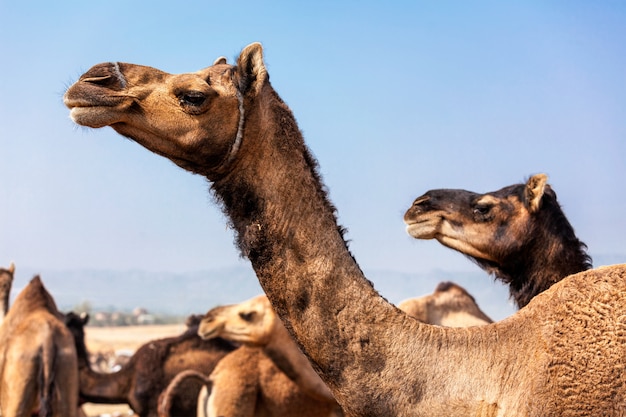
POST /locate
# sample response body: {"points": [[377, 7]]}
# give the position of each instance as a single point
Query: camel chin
{"points": [[94, 117], [426, 229]]}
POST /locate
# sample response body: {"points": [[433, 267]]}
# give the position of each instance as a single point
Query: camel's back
{"points": [[585, 340]]}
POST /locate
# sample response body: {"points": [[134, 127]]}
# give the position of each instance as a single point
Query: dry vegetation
{"points": [[111, 339]]}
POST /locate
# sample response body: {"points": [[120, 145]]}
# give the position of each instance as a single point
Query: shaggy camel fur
{"points": [[38, 365], [450, 305], [563, 354], [6, 282], [518, 233], [139, 382]]}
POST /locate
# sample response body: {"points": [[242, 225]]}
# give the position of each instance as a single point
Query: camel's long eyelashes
{"points": [[192, 98], [483, 212]]}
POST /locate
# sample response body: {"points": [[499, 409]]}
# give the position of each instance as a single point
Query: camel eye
{"points": [[192, 98], [482, 211], [249, 317]]}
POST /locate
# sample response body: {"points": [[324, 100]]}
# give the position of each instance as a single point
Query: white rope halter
{"points": [[237, 142]]}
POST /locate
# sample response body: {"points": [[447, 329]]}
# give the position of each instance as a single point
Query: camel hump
{"points": [[34, 296]]}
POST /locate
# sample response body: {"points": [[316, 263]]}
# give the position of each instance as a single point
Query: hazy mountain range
{"points": [[196, 292]]}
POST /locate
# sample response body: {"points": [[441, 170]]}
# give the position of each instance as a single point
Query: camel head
{"points": [[252, 322], [485, 227], [76, 324], [194, 119], [450, 305], [6, 279], [518, 233]]}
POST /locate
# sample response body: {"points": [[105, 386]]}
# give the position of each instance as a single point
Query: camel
{"points": [[518, 233], [248, 383], [6, 282], [139, 382], [563, 354], [38, 367], [450, 305], [254, 323], [292, 389]]}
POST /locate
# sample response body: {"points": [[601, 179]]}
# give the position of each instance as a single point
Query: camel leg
{"points": [[65, 401]]}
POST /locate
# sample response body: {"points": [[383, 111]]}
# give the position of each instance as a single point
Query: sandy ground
{"points": [[106, 339]]}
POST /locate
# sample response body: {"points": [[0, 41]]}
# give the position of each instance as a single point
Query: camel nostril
{"points": [[102, 80], [106, 75], [420, 200]]}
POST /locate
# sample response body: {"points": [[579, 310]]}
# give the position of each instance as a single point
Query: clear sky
{"points": [[394, 98]]}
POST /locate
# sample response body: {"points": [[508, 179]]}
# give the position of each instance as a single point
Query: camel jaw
{"points": [[465, 247]]}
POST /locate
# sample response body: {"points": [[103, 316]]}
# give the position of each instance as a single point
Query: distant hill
{"points": [[197, 292]]}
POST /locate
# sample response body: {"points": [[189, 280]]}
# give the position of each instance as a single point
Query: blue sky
{"points": [[394, 98]]}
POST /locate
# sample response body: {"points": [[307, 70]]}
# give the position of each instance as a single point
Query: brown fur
{"points": [[561, 355], [248, 383], [450, 305], [518, 233], [38, 366], [254, 323], [149, 371], [266, 393]]}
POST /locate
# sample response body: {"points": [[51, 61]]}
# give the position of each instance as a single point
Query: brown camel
{"points": [[561, 355], [38, 361], [248, 383], [279, 381], [148, 372], [450, 305], [518, 233], [254, 323], [6, 282]]}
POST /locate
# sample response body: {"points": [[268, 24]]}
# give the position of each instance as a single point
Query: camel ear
{"points": [[84, 317], [251, 70], [535, 187], [12, 268], [220, 60]]}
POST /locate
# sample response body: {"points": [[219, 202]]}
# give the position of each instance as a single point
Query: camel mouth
{"points": [[423, 228], [208, 334], [92, 116]]}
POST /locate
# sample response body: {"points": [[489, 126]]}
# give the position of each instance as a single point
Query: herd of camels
{"points": [[321, 341]]}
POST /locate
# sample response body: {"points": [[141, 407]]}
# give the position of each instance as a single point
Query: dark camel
{"points": [[149, 371], [38, 367], [6, 282], [562, 355], [518, 233]]}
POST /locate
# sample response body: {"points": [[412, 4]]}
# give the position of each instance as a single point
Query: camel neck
{"points": [[105, 388], [286, 226], [539, 266], [285, 354], [4, 306]]}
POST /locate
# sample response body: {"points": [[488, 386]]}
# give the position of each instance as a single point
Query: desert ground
{"points": [[128, 338]]}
